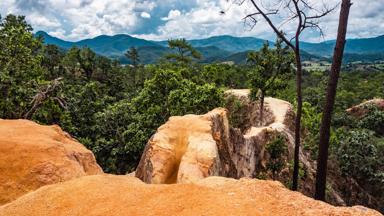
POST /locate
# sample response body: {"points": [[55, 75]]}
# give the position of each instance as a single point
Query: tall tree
{"points": [[268, 69], [52, 57], [87, 60], [321, 174], [20, 70], [71, 61], [184, 52], [133, 55], [305, 16], [80, 60]]}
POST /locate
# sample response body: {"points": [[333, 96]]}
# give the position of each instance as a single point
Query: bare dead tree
{"points": [[44, 94], [321, 174], [304, 15]]}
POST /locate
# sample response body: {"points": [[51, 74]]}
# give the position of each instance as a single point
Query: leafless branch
{"points": [[44, 94], [269, 21], [306, 15]]}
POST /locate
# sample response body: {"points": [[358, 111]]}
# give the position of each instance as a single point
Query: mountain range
{"points": [[218, 48]]}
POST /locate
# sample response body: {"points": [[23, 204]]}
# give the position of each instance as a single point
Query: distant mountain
{"points": [[354, 46], [370, 57], [152, 54], [48, 39], [114, 45], [230, 43], [104, 45], [226, 42], [218, 48]]}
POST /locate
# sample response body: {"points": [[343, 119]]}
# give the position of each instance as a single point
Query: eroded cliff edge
{"points": [[192, 147], [33, 155]]}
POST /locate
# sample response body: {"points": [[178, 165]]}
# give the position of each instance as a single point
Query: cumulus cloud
{"points": [[60, 33], [172, 15], [80, 19], [145, 15], [164, 19], [206, 20], [38, 20]]}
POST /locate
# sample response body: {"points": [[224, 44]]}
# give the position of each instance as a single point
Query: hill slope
{"points": [[354, 46], [217, 48]]}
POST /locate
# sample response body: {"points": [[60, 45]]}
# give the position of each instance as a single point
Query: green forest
{"points": [[113, 109]]}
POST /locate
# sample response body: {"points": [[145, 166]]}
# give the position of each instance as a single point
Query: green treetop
{"points": [[184, 52], [268, 69]]}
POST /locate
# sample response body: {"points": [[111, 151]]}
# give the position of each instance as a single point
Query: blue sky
{"points": [[163, 19]]}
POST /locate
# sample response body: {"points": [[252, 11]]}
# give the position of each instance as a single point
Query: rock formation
{"points": [[192, 147], [33, 155], [360, 110], [187, 148], [124, 195]]}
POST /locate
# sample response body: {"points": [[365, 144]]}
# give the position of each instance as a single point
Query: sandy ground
{"points": [[125, 195]]}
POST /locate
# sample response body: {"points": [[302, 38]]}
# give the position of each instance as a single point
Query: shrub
{"points": [[358, 154], [276, 150]]}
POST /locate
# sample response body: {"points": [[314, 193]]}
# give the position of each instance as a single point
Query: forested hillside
{"points": [[219, 48]]}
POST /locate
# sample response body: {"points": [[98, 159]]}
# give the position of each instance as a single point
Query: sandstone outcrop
{"points": [[124, 195], [192, 147], [360, 110], [33, 155], [188, 148]]}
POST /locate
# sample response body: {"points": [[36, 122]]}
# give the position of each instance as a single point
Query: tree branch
{"points": [[269, 21], [43, 95]]}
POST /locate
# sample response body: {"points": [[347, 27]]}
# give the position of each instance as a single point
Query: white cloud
{"points": [[145, 15], [163, 19], [60, 33], [44, 22], [206, 20], [101, 17], [172, 14], [80, 19]]}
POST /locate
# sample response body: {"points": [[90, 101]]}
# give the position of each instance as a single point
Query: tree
{"points": [[52, 57], [133, 55], [20, 70], [269, 68], [70, 62], [306, 16], [80, 60], [44, 94], [87, 61], [321, 174], [276, 150], [184, 52]]}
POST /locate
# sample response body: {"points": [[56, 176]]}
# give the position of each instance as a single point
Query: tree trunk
{"points": [[299, 99], [262, 95], [321, 174]]}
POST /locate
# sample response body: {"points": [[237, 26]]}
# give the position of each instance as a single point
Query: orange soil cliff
{"points": [[32, 155]]}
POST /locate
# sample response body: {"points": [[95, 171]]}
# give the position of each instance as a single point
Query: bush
{"points": [[358, 154], [276, 150], [311, 120], [237, 112], [373, 120]]}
